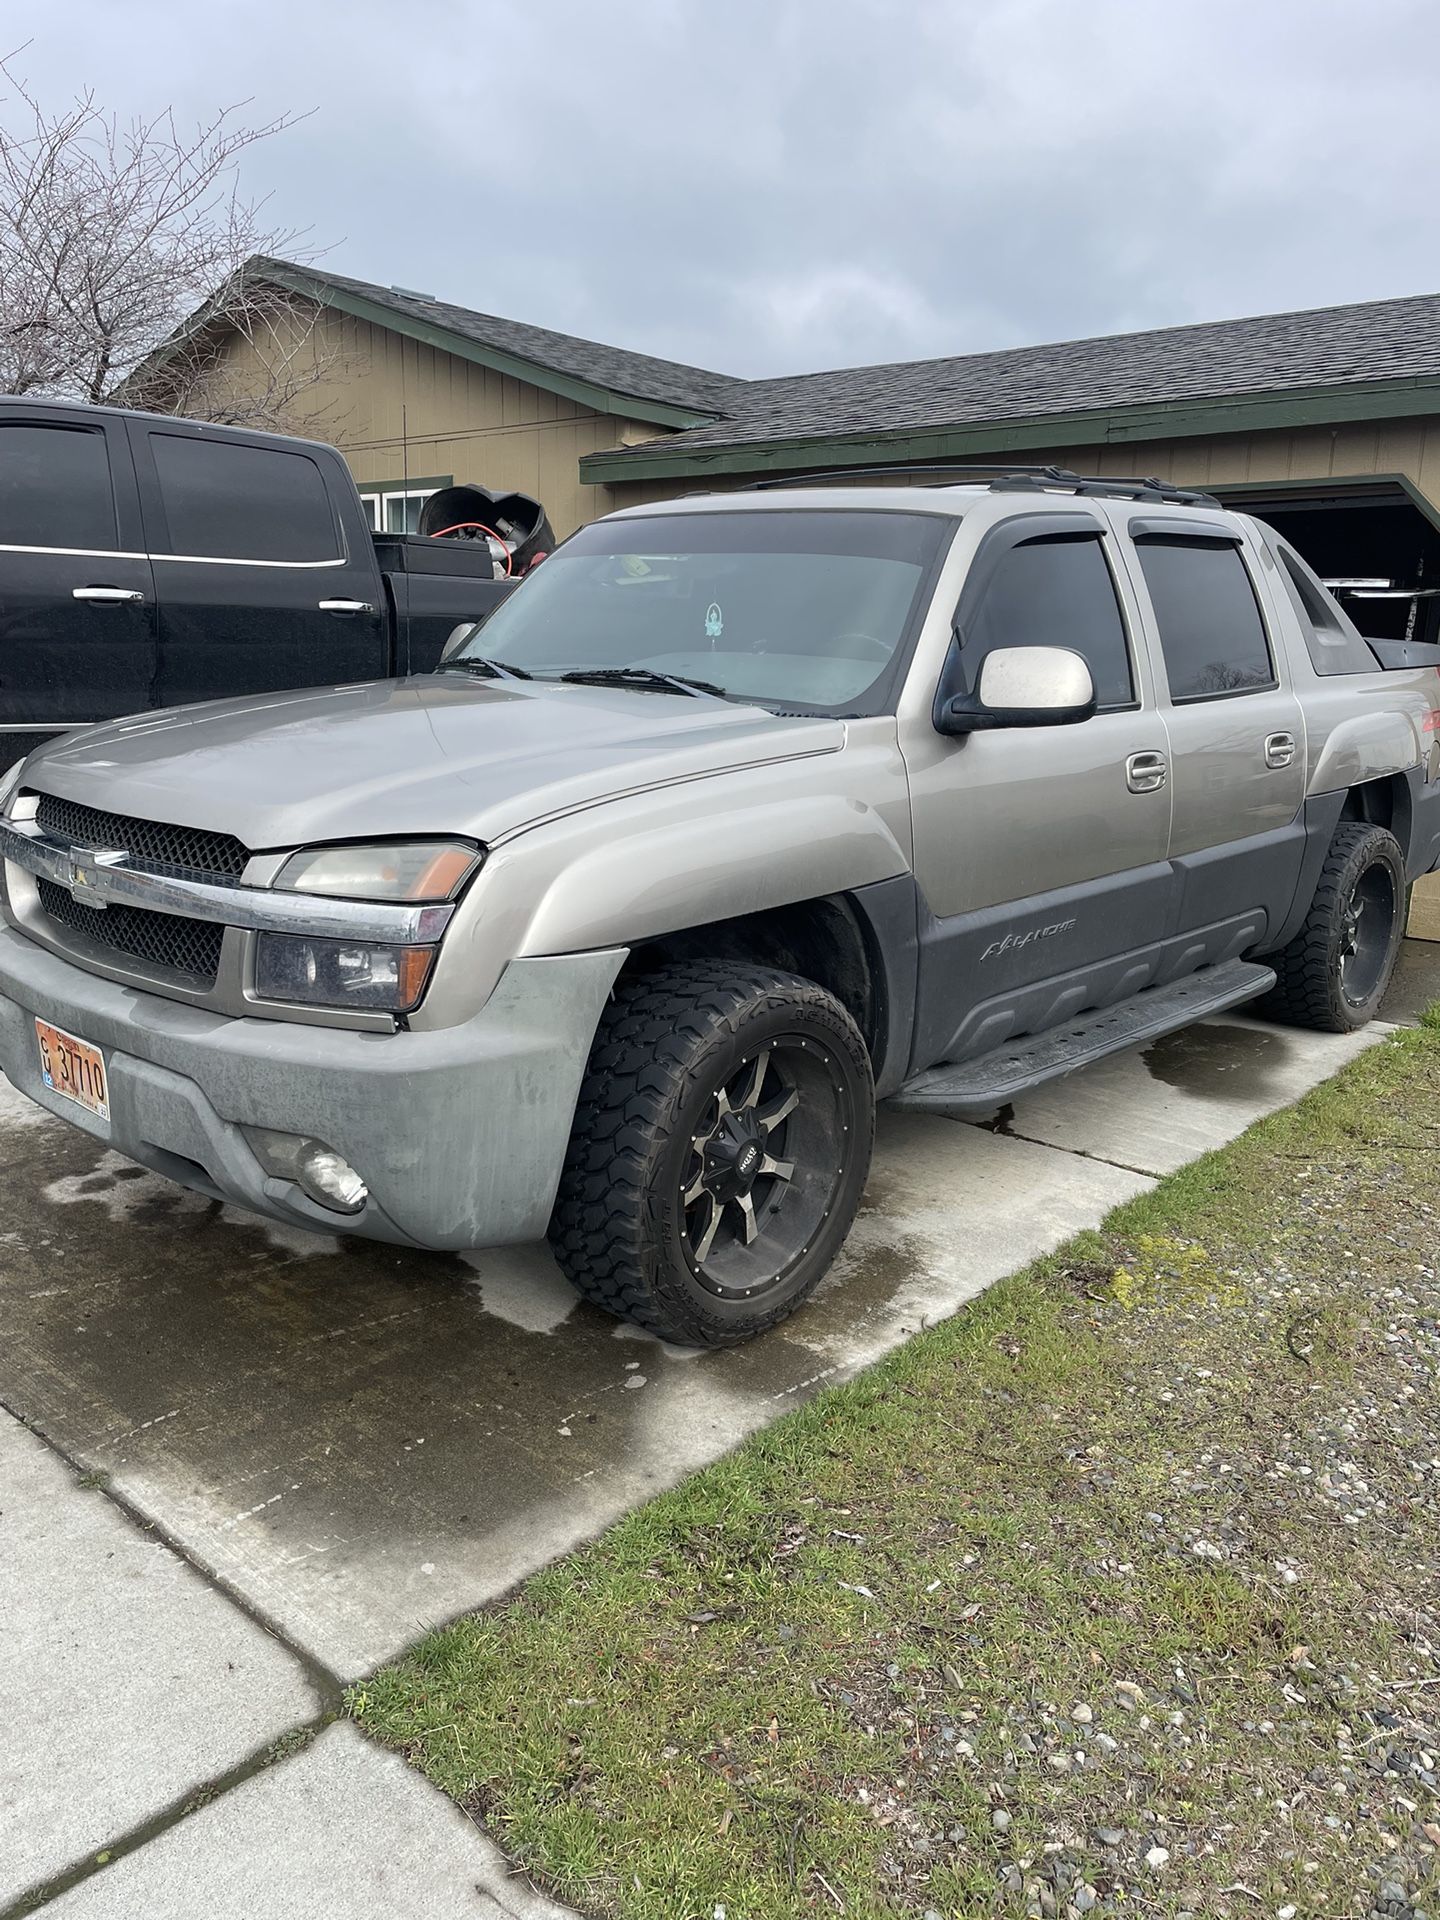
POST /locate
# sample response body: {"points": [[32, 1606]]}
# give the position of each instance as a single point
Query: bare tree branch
{"points": [[131, 264]]}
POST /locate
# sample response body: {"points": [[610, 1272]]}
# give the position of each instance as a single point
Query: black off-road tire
{"points": [[669, 1041], [1316, 984]]}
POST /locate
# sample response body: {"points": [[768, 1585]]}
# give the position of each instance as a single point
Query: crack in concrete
{"points": [[204, 1794], [327, 1687], [1079, 1153]]}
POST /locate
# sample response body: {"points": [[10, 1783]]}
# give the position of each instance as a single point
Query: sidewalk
{"points": [[151, 1728]]}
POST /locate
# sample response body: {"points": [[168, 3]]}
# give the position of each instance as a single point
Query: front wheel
{"points": [[1334, 973], [721, 1144]]}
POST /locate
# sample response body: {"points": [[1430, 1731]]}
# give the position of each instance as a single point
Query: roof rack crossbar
{"points": [[1004, 477], [1116, 488]]}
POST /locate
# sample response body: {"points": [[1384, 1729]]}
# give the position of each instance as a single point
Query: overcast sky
{"points": [[768, 186]]}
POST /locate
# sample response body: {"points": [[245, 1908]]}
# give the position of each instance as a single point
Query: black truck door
{"points": [[77, 605], [261, 582]]}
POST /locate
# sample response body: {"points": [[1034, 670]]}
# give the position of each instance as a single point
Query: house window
{"points": [[393, 506]]}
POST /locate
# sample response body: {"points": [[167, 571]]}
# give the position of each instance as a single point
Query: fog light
{"points": [[329, 1180]]}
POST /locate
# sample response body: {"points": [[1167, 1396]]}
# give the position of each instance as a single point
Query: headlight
{"points": [[405, 870], [9, 781], [341, 973]]}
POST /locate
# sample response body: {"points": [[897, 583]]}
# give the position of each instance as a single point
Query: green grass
{"points": [[809, 1678]]}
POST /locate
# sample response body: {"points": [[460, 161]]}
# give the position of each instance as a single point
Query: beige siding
{"points": [[395, 407]]}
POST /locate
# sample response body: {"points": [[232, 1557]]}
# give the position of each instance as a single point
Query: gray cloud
{"points": [[766, 188]]}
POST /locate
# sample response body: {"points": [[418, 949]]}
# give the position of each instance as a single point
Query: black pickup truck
{"points": [[147, 561]]}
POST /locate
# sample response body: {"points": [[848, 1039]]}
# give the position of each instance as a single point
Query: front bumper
{"points": [[459, 1133]]}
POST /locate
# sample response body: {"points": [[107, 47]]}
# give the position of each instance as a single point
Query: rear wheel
{"points": [[721, 1144], [1334, 973]]}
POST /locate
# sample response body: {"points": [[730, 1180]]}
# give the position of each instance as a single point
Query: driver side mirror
{"points": [[1022, 687]]}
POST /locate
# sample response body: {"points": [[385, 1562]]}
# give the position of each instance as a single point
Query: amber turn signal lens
{"points": [[414, 971], [443, 875]]}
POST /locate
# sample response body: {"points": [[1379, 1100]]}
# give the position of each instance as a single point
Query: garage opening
{"points": [[1373, 543]]}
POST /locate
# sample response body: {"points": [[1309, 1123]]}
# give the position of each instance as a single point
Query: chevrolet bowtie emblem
{"points": [[86, 866]]}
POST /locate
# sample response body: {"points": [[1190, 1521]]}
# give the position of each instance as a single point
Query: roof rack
{"points": [[965, 469], [1006, 477]]}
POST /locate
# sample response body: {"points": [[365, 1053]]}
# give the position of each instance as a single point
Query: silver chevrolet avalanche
{"points": [[742, 813]]}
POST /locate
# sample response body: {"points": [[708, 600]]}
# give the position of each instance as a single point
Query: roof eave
{"points": [[1169, 420], [430, 333]]}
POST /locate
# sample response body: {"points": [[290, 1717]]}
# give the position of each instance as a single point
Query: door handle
{"points": [[106, 596], [1279, 749], [344, 606], [1146, 772]]}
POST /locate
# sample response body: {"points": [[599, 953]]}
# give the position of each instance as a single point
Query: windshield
{"points": [[794, 609]]}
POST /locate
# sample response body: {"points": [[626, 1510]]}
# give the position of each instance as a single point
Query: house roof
{"points": [[1376, 359], [632, 383], [1091, 385]]}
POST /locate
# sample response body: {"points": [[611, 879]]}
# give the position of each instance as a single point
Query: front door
{"points": [[77, 604], [1236, 730], [1040, 852], [257, 590]]}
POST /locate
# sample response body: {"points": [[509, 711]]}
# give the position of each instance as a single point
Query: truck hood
{"points": [[438, 753]]}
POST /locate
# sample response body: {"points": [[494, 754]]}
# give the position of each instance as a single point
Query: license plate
{"points": [[73, 1069]]}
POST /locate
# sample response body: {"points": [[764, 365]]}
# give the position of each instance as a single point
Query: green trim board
{"points": [[429, 333], [1172, 420]]}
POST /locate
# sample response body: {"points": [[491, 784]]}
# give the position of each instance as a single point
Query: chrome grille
{"points": [[160, 939], [191, 848]]}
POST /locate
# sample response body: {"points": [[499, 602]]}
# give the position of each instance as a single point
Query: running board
{"points": [[975, 1088]]}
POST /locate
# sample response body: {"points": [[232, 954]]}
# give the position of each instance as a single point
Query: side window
{"points": [[1055, 593], [1331, 639], [1211, 632], [226, 501], [55, 488]]}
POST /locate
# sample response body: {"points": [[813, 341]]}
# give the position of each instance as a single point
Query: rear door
{"points": [[261, 584], [77, 605], [1236, 730]]}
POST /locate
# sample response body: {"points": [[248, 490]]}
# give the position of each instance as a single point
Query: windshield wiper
{"points": [[640, 677], [479, 663]]}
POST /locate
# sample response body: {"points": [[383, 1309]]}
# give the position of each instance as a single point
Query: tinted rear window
{"points": [[55, 488], [1211, 632], [226, 501]]}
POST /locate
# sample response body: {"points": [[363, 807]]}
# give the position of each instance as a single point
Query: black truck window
{"points": [[55, 488], [224, 500], [1056, 593], [1211, 632]]}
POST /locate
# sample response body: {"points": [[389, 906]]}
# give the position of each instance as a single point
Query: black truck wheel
{"points": [[1334, 973], [721, 1143]]}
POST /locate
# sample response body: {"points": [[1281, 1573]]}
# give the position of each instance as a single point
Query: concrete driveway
{"points": [[361, 1443], [257, 1464]]}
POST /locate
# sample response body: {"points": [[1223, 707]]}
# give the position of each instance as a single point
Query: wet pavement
{"points": [[361, 1443]]}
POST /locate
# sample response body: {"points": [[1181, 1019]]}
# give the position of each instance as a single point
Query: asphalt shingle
{"points": [[614, 368], [1273, 353], [1329, 346]]}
